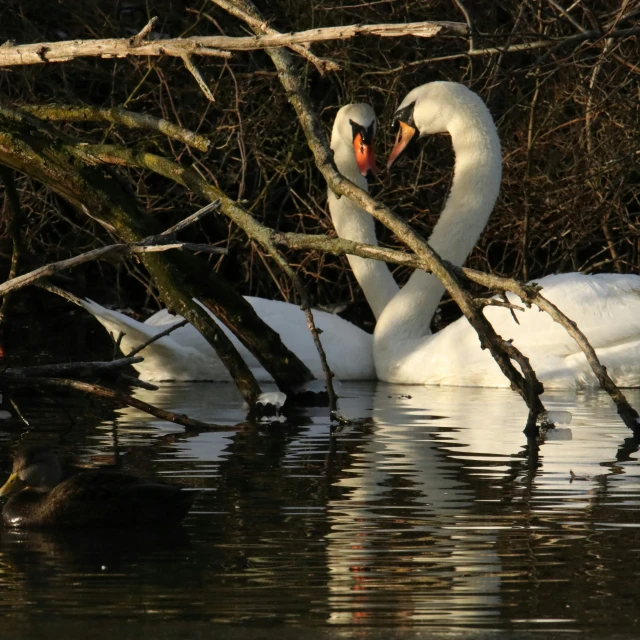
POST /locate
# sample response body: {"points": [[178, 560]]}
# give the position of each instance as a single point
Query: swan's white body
{"points": [[186, 355], [606, 307]]}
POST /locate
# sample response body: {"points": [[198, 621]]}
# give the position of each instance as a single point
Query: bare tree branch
{"points": [[12, 55], [161, 242], [528, 293], [193, 70], [110, 252], [117, 115], [139, 38], [544, 43], [79, 369]]}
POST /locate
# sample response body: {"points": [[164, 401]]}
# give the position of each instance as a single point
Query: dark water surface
{"points": [[432, 518]]}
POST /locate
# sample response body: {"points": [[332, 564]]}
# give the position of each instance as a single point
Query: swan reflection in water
{"points": [[417, 528], [421, 502]]}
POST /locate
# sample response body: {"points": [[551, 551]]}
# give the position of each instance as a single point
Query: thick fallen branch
{"points": [[528, 293], [256, 231]]}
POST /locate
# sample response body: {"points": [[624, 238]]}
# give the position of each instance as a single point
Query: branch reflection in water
{"points": [[434, 511]]}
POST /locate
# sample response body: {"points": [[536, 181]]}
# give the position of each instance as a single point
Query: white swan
{"points": [[186, 355], [606, 307]]}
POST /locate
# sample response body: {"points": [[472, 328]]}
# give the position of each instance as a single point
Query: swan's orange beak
{"points": [[365, 155], [403, 138]]}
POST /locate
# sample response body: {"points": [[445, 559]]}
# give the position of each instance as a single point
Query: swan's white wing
{"points": [[162, 318], [182, 355], [186, 355], [605, 307]]}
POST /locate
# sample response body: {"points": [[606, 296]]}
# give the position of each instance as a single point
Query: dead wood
{"points": [[120, 116], [12, 55], [254, 230], [79, 369]]}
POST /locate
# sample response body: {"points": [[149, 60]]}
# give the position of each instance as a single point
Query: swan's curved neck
{"points": [[473, 193], [352, 223]]}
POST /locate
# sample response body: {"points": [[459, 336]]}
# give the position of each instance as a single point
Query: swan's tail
{"points": [[134, 332], [182, 355]]}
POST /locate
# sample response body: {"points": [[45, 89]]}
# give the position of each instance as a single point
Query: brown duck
{"points": [[41, 498]]}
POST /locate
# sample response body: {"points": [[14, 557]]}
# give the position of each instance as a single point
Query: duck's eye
{"points": [[395, 125]]}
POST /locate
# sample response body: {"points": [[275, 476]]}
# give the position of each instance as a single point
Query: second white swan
{"points": [[606, 307]]}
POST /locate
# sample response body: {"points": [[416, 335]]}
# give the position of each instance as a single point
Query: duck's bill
{"points": [[12, 485], [365, 156], [405, 135]]}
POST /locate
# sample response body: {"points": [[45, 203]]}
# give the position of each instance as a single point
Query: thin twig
{"points": [[467, 18], [494, 302], [110, 251], [472, 44], [157, 337], [193, 70], [566, 14], [186, 222], [139, 38]]}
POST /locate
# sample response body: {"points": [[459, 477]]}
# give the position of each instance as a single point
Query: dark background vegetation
{"points": [[568, 116]]}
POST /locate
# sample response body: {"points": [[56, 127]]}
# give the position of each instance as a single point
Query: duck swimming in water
{"points": [[41, 498]]}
